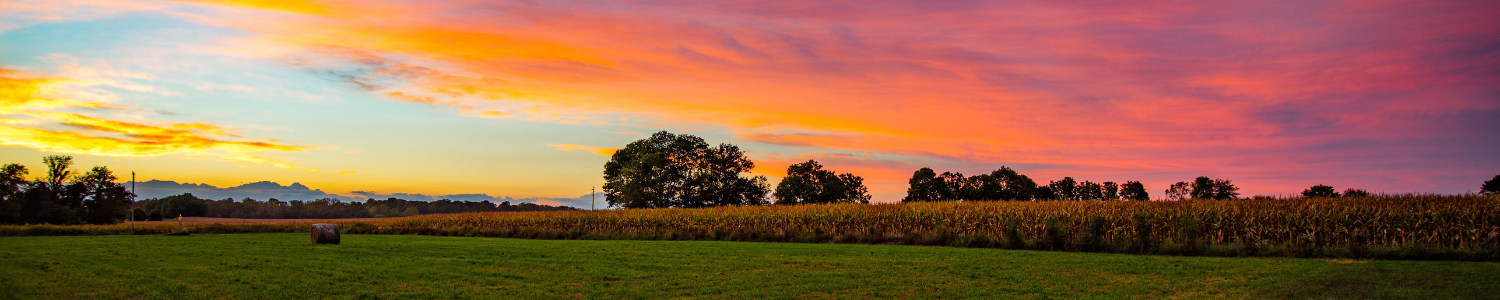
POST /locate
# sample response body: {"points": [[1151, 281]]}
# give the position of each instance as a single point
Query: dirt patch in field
{"points": [[234, 220]]}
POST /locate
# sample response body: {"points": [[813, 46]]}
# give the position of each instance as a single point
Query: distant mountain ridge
{"points": [[263, 190]]}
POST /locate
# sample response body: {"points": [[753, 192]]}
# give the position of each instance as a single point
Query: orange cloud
{"points": [[26, 106], [591, 149]]}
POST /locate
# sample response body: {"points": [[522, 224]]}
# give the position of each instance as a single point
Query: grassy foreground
{"points": [[285, 265]]}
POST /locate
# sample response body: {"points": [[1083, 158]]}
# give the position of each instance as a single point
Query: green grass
{"points": [[280, 266]]}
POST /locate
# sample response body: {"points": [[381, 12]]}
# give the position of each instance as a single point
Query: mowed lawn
{"points": [[282, 266]]}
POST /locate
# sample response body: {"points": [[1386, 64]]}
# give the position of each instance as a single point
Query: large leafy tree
{"points": [[13, 184], [956, 186], [925, 185], [1218, 189], [105, 201], [809, 183], [185, 205], [1065, 189], [57, 170], [670, 170], [49, 199], [1111, 191], [1134, 191], [1088, 190]]}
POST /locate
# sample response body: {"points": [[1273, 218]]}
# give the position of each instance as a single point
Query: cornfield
{"points": [[1398, 227]]}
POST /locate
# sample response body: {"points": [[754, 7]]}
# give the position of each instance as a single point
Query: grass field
{"points": [[285, 265]]}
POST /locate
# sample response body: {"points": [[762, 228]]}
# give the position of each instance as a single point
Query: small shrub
{"points": [[1053, 236], [1142, 233], [1093, 240], [1013, 239], [1188, 240]]}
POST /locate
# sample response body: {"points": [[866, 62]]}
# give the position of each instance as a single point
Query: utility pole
{"points": [[132, 202], [591, 198]]}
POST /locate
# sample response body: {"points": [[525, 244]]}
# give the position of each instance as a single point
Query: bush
{"points": [[1320, 191], [140, 214], [1053, 238], [185, 205], [1093, 240], [1142, 233], [155, 215]]}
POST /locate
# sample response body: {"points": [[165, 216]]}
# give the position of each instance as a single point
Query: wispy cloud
{"points": [[590, 149]]}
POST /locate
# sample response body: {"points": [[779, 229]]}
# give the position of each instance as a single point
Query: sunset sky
{"points": [[526, 98]]}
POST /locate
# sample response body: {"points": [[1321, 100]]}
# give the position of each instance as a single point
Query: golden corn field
{"points": [[1412, 226]]}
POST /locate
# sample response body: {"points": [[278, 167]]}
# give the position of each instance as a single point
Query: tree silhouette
{"points": [[1134, 191], [1017, 186], [106, 202], [1065, 189], [48, 200], [12, 187], [1180, 191], [1045, 193], [1320, 191], [1002, 184], [185, 205], [669, 170], [809, 183], [1491, 187], [1111, 191], [57, 169], [955, 186], [1089, 190], [1356, 193], [1218, 189], [925, 185], [1203, 188], [1224, 190]]}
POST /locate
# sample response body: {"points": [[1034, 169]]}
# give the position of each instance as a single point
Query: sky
{"points": [[526, 99]]}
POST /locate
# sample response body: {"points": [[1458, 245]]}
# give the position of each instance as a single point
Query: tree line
{"points": [[671, 170], [62, 197], [188, 205], [1005, 184]]}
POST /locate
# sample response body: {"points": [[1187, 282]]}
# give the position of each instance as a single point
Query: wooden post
{"points": [[179, 223], [325, 234]]}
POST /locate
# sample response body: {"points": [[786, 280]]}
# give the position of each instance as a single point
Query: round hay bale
{"points": [[325, 233]]}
